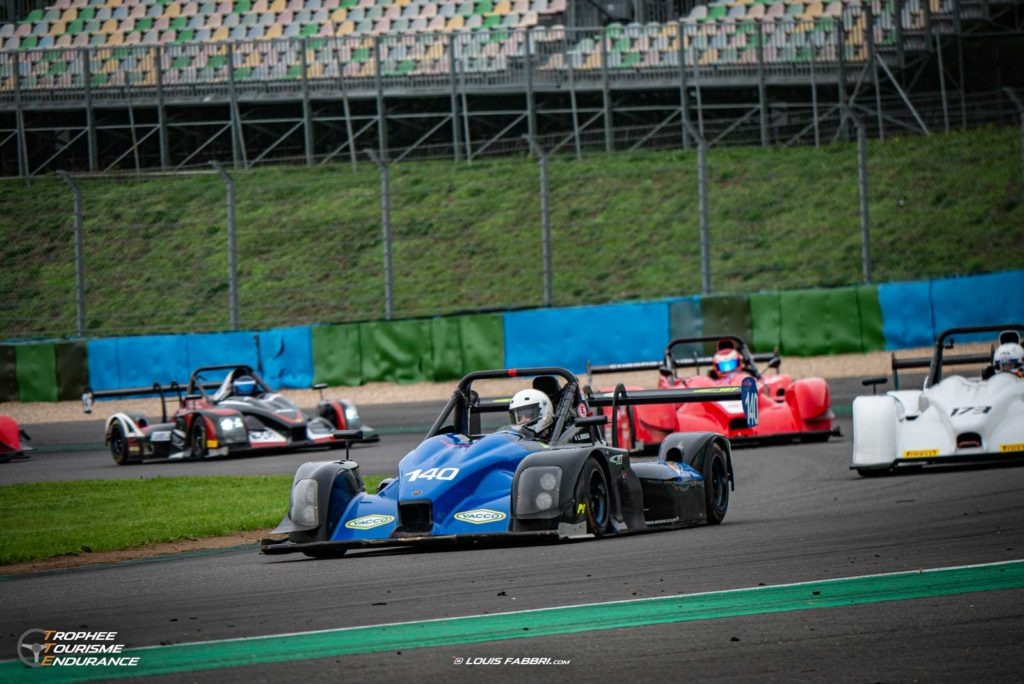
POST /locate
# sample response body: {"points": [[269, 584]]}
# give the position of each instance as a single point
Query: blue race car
{"points": [[548, 475]]}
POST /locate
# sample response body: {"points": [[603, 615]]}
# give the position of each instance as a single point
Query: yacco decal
{"points": [[480, 516], [368, 522]]}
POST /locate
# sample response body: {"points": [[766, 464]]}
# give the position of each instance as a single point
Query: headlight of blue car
{"points": [[538, 490], [305, 503]]}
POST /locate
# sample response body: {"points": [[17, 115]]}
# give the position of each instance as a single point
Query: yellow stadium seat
{"points": [[503, 7], [220, 34], [455, 23], [277, 6], [273, 31], [346, 28], [339, 15], [172, 10], [109, 26], [115, 38]]}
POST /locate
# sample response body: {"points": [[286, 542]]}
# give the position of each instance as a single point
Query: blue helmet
{"points": [[244, 386]]}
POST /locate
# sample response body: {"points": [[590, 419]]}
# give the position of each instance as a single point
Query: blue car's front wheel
{"points": [[592, 494]]}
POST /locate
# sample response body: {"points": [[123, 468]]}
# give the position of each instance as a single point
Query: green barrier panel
{"points": [[483, 342], [446, 348], [37, 372], [766, 321], [396, 351], [337, 355], [684, 320], [818, 322], [8, 373], [726, 315], [72, 370], [872, 336]]}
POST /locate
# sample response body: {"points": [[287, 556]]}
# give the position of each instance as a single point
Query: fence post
{"points": [[161, 112], [85, 54], [76, 193], [23, 167], [385, 220], [307, 106], [702, 201], [232, 245], [1020, 112], [545, 217], [865, 220], [684, 101], [606, 94], [762, 87]]}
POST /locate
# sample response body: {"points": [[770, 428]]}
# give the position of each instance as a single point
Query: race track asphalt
{"points": [[798, 515]]}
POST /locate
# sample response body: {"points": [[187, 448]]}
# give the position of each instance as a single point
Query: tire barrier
{"points": [[8, 373], [614, 333], [798, 323], [407, 351], [837, 321], [37, 372]]}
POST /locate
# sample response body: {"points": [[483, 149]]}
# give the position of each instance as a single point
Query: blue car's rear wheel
{"points": [[716, 484], [593, 494]]}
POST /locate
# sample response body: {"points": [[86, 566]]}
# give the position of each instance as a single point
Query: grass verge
{"points": [[467, 236], [48, 519]]}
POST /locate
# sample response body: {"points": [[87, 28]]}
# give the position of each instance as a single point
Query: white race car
{"points": [[953, 419]]}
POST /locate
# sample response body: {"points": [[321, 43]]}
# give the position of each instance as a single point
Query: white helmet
{"points": [[1008, 357], [531, 409]]}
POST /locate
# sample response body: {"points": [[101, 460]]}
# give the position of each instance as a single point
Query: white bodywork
{"points": [[917, 426]]}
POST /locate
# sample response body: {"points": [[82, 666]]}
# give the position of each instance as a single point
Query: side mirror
{"points": [[384, 484], [775, 363], [592, 421], [874, 383], [950, 343], [320, 387], [193, 397]]}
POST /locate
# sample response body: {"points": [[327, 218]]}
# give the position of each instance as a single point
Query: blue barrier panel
{"points": [[615, 333], [217, 349], [907, 314], [988, 299], [141, 361], [153, 358], [104, 368], [286, 356]]}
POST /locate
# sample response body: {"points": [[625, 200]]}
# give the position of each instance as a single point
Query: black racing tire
{"points": [[592, 490], [197, 438], [873, 472], [716, 484], [325, 553], [119, 445]]}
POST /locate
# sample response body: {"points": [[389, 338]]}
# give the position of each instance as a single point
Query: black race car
{"points": [[467, 483], [242, 415]]}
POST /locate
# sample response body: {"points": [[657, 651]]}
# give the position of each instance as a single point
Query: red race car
{"points": [[11, 436], [788, 409]]}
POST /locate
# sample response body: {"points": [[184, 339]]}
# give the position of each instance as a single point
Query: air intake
{"points": [[968, 440], [415, 516]]}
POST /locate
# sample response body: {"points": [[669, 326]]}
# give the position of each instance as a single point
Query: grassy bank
{"points": [[44, 520], [467, 236]]}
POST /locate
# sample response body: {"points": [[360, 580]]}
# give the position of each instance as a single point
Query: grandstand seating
{"points": [[210, 41]]}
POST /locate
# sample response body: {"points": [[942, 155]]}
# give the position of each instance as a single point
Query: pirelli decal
{"points": [[1005, 448], [920, 453]]}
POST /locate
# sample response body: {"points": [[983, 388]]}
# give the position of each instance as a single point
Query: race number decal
{"points": [[748, 395], [432, 474], [975, 410]]}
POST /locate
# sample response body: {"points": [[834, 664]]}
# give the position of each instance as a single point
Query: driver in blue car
{"points": [[531, 409]]}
